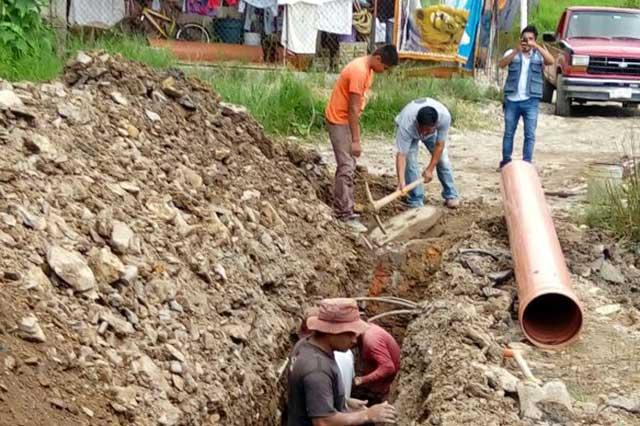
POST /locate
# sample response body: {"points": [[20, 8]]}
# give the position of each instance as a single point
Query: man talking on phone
{"points": [[523, 91]]}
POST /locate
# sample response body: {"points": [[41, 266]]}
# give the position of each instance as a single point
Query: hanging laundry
{"points": [[335, 17], [96, 13], [269, 20], [201, 7], [299, 33], [249, 17]]}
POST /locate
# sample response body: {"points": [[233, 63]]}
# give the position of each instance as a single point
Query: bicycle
{"points": [[168, 27]]}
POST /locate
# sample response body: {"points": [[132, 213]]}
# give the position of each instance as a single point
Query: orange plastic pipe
{"points": [[550, 314]]}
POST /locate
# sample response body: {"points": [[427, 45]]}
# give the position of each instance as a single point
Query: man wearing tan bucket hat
{"points": [[316, 395]]}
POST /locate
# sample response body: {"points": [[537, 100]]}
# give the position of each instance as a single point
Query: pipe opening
{"points": [[552, 319]]}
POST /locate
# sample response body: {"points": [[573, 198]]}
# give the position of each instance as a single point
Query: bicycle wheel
{"points": [[193, 32]]}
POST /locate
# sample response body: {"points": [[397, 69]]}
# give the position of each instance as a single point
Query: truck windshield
{"points": [[604, 25]]}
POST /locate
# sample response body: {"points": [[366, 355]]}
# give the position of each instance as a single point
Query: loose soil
{"points": [[442, 379], [167, 249]]}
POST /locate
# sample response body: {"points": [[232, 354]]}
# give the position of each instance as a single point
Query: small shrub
{"points": [[617, 208], [21, 28]]}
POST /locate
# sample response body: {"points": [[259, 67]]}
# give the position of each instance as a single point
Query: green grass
{"points": [[282, 102], [293, 104], [134, 48], [616, 208], [44, 64], [392, 92]]}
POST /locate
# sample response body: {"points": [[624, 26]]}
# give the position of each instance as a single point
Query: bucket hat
{"points": [[336, 316]]}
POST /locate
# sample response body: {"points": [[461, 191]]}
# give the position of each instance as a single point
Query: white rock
{"points": [[130, 274], [74, 114], [175, 353], [130, 187], [7, 239], [126, 396], [72, 268], [8, 100], [610, 273], [106, 266], [114, 357], [39, 144], [31, 220], [219, 269], [87, 411], [119, 98], [168, 414], [152, 116], [238, 332], [9, 362], [250, 194], [121, 237], [83, 59], [31, 331], [152, 374], [161, 290], [551, 402], [608, 309], [630, 404], [120, 326], [500, 378], [176, 367], [36, 279]]}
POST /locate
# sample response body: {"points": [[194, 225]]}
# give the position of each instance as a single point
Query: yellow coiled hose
{"points": [[362, 21]]}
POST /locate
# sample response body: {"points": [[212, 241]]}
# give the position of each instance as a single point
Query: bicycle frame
{"points": [[150, 14]]}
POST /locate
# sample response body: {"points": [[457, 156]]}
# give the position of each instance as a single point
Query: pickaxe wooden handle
{"points": [[378, 204]]}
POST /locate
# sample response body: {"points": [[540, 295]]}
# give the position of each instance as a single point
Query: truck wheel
{"points": [[563, 102], [547, 91]]}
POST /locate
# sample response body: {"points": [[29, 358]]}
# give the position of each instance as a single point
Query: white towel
{"points": [[299, 32], [335, 17], [96, 13]]}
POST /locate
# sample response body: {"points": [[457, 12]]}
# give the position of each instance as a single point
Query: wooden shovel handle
{"points": [[377, 205]]}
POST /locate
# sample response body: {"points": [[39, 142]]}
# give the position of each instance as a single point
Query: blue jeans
{"points": [[443, 169], [528, 110]]}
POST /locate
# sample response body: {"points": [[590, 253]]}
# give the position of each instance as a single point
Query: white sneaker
{"points": [[355, 225], [452, 203]]}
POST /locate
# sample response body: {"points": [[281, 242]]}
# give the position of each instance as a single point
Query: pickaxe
{"points": [[376, 205]]}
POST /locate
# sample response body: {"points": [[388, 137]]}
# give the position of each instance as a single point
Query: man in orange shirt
{"points": [[343, 121]]}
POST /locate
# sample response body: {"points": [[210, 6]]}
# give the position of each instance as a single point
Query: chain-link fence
{"points": [[308, 34]]}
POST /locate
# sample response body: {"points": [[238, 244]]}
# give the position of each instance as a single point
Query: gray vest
{"points": [[534, 82]]}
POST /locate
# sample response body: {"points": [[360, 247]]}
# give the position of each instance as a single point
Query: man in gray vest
{"points": [[424, 120], [523, 91]]}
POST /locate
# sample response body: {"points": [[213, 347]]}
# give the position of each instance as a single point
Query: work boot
{"points": [[355, 224], [452, 203]]}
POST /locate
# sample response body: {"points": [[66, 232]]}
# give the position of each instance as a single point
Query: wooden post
{"points": [[372, 33]]}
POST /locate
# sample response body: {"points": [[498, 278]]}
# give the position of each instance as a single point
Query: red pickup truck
{"points": [[597, 51]]}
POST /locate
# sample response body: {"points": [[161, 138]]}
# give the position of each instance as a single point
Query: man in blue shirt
{"points": [[424, 120], [523, 91]]}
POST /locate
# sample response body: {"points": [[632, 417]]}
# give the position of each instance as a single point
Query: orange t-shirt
{"points": [[356, 78]]}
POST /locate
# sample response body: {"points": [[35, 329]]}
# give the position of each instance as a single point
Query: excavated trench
{"points": [[449, 345]]}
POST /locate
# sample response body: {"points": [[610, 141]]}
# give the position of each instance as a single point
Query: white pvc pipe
{"points": [[524, 13]]}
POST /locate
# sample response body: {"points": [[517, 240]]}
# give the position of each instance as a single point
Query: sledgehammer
{"points": [[376, 205]]}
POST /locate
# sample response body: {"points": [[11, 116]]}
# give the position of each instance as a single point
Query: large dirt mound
{"points": [[156, 247]]}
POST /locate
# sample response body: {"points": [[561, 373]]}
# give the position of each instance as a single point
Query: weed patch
{"points": [[617, 207], [293, 104]]}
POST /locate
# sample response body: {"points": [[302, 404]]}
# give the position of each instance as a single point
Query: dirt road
{"points": [[603, 363], [564, 147]]}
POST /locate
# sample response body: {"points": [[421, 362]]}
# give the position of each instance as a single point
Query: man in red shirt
{"points": [[380, 363]]}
